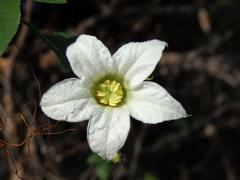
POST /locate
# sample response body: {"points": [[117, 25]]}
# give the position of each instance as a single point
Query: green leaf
{"points": [[53, 1], [102, 167], [9, 19], [58, 42]]}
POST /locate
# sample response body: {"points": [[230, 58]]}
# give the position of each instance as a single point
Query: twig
{"points": [[10, 132]]}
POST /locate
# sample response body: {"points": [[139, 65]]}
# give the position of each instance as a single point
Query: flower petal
{"points": [[108, 130], [136, 61], [88, 57], [152, 104], [67, 100]]}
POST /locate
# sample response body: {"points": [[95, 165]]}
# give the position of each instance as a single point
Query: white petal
{"points": [[67, 100], [108, 130], [152, 104], [136, 61], [89, 57]]}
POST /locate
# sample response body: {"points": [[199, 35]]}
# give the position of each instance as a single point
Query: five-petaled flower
{"points": [[109, 90]]}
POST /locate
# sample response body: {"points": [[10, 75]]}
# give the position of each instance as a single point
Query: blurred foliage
{"points": [[101, 166], [149, 176], [228, 2]]}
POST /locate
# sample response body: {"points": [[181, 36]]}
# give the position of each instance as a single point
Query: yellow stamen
{"points": [[100, 94], [110, 93]]}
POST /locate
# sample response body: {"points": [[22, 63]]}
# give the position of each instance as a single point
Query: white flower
{"points": [[111, 89]]}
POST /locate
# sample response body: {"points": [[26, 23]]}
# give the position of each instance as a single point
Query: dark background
{"points": [[200, 68]]}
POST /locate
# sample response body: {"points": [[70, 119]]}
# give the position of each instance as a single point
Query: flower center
{"points": [[109, 93]]}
